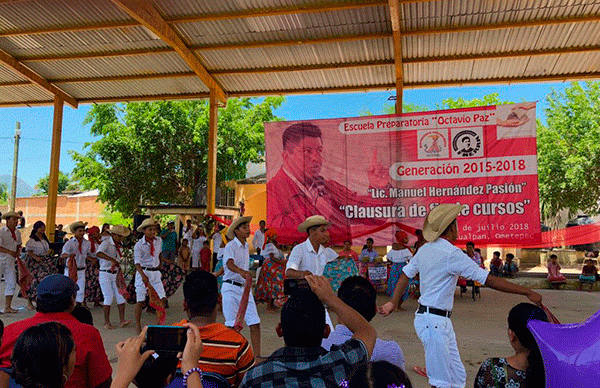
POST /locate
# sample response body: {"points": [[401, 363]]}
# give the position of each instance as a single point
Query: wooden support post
{"points": [[211, 179], [54, 165], [395, 18]]}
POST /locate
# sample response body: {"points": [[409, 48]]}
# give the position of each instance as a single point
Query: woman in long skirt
{"points": [[171, 275], [93, 293], [269, 287], [399, 256], [337, 270], [38, 260]]}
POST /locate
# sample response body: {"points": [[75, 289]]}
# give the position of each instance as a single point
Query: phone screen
{"points": [[292, 285], [166, 338]]}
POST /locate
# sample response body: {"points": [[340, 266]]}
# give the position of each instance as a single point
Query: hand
{"points": [[193, 348], [246, 275], [130, 359], [386, 309], [535, 297], [321, 287], [378, 174]]}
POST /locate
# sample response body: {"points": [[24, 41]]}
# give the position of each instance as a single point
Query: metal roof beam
{"points": [[37, 79], [144, 12]]}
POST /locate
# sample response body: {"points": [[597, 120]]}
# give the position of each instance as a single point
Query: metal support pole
{"points": [[13, 190], [54, 165]]}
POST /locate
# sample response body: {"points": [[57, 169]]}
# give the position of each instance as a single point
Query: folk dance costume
{"points": [[270, 281], [146, 253], [10, 240], [93, 291], [81, 249], [38, 269], [108, 272]]}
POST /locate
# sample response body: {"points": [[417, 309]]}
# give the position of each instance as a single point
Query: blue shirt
{"points": [[388, 351], [372, 255]]}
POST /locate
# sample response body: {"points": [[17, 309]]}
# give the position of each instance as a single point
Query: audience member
{"points": [[10, 250], [205, 255], [184, 255], [303, 362], [554, 276], [589, 273], [83, 315], [510, 267], [379, 374], [420, 240], [21, 224], [188, 230], [55, 302], [358, 293], [44, 356], [201, 298], [496, 264], [259, 241], [216, 237], [132, 359], [59, 234], [169, 242], [524, 369], [368, 254], [474, 255], [196, 245]]}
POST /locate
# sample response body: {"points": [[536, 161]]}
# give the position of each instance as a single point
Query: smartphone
{"points": [[166, 338], [292, 285]]}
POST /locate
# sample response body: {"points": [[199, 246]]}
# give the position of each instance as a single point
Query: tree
{"points": [[569, 151], [155, 152], [65, 183], [488, 99], [3, 193]]}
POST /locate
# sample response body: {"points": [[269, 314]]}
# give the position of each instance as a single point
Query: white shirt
{"points": [[399, 256], [197, 244], [439, 263], [8, 242], [271, 248], [38, 248], [217, 238], [141, 253], [331, 254], [71, 247], [304, 258], [109, 248], [241, 258], [188, 233], [220, 253], [258, 240]]}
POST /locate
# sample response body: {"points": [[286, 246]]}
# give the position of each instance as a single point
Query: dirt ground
{"points": [[480, 325]]}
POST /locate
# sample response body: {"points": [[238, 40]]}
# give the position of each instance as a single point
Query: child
{"points": [[378, 374], [205, 256], [554, 276], [589, 274], [510, 269], [496, 264], [184, 255]]}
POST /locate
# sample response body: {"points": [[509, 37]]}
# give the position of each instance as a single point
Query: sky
{"points": [[36, 122]]}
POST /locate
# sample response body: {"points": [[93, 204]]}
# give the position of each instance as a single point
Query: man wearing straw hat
{"points": [[146, 253], [76, 251], [10, 249], [439, 264], [236, 262], [110, 256]]}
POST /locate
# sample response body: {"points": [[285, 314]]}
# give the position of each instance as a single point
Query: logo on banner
{"points": [[432, 144], [467, 143]]}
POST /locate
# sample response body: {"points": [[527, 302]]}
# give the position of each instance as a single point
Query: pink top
{"points": [[554, 270]]}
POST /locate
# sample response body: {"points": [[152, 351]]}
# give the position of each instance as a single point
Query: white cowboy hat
{"points": [[237, 222], [7, 215], [312, 221], [439, 218], [120, 230], [146, 223], [76, 225]]}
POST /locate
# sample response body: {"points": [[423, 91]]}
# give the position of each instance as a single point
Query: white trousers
{"points": [[195, 259], [232, 295], [7, 267], [444, 367], [108, 285], [155, 282], [80, 282]]}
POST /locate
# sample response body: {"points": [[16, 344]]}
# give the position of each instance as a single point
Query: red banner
{"points": [[373, 175]]}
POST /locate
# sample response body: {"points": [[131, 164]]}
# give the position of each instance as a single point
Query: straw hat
{"points": [[76, 225], [312, 221], [120, 230], [231, 231], [146, 223], [7, 215], [439, 218]]}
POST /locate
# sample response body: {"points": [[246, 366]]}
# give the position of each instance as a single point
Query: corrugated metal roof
{"points": [[87, 40]]}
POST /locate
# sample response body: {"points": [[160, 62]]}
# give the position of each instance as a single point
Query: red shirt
{"points": [[91, 364], [205, 255]]}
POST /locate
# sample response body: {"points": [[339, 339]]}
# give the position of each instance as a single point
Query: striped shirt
{"points": [[225, 352]]}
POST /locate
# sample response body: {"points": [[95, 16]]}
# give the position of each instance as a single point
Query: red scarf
{"points": [[118, 247], [92, 249], [80, 242], [151, 246], [14, 235]]}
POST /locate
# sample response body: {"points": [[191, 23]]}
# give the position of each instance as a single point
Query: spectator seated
{"points": [[555, 278], [589, 274]]}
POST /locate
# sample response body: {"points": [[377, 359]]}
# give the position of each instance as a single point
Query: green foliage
{"points": [[569, 151], [488, 99], [3, 194], [152, 152], [65, 183], [390, 109], [115, 218]]}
